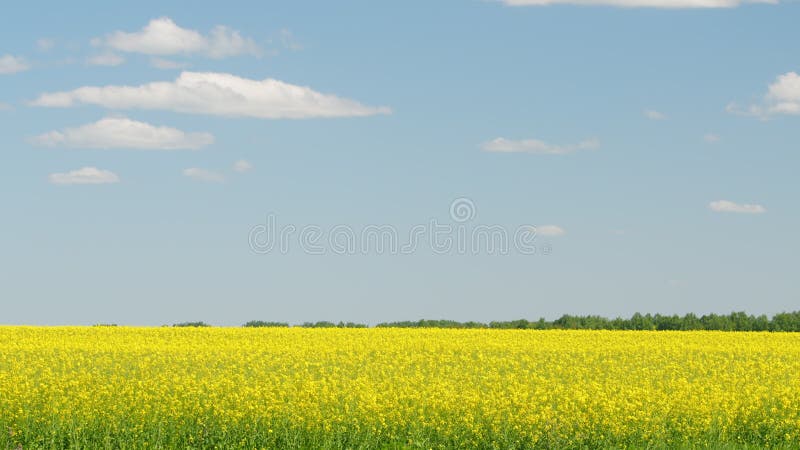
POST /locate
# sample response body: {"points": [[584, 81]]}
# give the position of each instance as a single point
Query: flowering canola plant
{"points": [[96, 387]]}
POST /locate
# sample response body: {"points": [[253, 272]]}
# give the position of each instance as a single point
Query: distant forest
{"points": [[735, 321]]}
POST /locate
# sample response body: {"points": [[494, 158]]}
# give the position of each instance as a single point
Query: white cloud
{"points": [[784, 94], [734, 108], [164, 37], [105, 59], [45, 44], [166, 64], [728, 206], [217, 94], [242, 166], [12, 64], [782, 97], [664, 4], [550, 230], [203, 175], [654, 115], [121, 132], [5, 107], [711, 138], [502, 145], [86, 175], [288, 40]]}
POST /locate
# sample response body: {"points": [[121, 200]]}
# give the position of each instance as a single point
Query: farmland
{"points": [[123, 387]]}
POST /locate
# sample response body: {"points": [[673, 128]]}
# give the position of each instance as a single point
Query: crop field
{"points": [[119, 387]]}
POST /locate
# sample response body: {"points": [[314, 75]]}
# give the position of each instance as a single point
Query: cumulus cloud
{"points": [[550, 230], [86, 175], [664, 4], [503, 145], [654, 115], [203, 175], [121, 132], [242, 166], [782, 97], [731, 207], [105, 59], [164, 37], [216, 94], [12, 64]]}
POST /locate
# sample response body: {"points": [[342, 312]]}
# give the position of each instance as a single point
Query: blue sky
{"points": [[652, 145]]}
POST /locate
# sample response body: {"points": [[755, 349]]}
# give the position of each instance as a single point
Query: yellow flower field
{"points": [[125, 387]]}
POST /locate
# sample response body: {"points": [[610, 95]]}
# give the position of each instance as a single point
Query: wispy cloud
{"points": [[86, 175], [288, 40], [535, 146], [106, 59], [216, 94], [731, 207], [711, 138], [45, 44], [663, 4], [121, 132], [782, 97], [12, 64], [167, 64], [203, 175], [242, 166], [654, 115], [163, 37]]}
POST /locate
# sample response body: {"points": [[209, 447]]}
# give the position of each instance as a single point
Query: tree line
{"points": [[735, 321]]}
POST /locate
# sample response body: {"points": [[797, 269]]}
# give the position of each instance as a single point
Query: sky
{"points": [[235, 162]]}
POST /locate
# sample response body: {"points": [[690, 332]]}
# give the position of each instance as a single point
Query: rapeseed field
{"points": [[121, 387]]}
